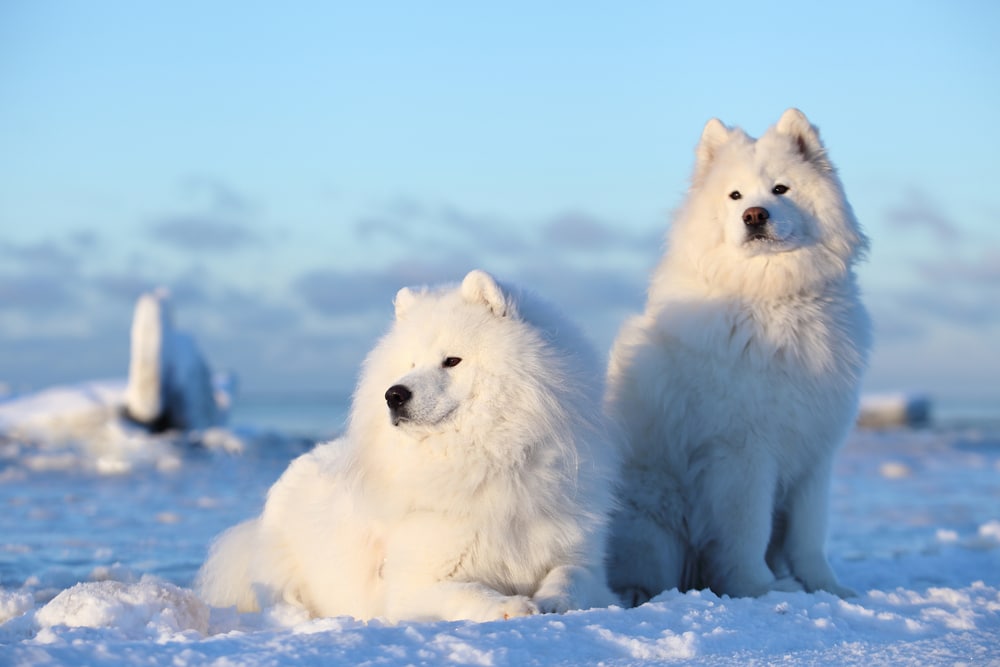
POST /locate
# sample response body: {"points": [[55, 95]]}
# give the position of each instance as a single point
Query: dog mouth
{"points": [[402, 417], [759, 235], [766, 238]]}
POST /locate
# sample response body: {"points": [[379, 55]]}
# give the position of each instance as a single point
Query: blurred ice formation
{"points": [[170, 388], [169, 383], [894, 410]]}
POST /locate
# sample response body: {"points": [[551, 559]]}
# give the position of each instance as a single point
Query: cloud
{"points": [[439, 228], [981, 272], [335, 293], [36, 292], [895, 328], [247, 314], [217, 196], [42, 254], [952, 292], [399, 218], [203, 303], [221, 223], [372, 226], [577, 231], [40, 277], [295, 362], [594, 270], [123, 286], [962, 308], [345, 293], [954, 284], [314, 330], [918, 212], [487, 232], [187, 288], [597, 289], [358, 306], [202, 233], [597, 299], [85, 239], [956, 290], [447, 229], [38, 361]]}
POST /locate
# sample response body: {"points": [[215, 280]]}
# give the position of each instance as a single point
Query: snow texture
{"points": [[97, 561]]}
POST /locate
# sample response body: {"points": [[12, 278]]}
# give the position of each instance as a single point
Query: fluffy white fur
{"points": [[484, 496], [740, 380]]}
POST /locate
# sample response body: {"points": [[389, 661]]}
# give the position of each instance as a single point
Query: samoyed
{"points": [[740, 380], [474, 480]]}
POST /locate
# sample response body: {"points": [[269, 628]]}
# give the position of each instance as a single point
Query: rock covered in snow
{"points": [[169, 382], [894, 410], [114, 423]]}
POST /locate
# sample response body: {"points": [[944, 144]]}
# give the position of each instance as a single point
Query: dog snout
{"points": [[397, 396], [755, 216]]}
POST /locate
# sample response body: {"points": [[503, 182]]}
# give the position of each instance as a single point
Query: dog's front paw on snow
{"points": [[514, 607], [786, 585], [633, 596], [553, 604], [843, 592]]}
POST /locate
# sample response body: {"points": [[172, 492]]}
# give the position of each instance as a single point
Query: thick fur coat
{"points": [[740, 380], [474, 480]]}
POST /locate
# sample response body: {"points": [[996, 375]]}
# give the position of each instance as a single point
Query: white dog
{"points": [[741, 378], [474, 481]]}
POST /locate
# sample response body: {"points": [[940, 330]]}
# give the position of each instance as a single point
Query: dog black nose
{"points": [[397, 396], [755, 216]]}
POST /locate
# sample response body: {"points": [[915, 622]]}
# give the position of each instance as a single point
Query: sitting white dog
{"points": [[741, 379]]}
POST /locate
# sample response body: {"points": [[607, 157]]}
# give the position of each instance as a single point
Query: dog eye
{"points": [[451, 362], [735, 194], [779, 189]]}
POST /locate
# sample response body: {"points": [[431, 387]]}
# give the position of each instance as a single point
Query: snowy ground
{"points": [[99, 543]]}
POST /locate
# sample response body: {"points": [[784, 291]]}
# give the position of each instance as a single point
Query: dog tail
{"points": [[226, 578]]}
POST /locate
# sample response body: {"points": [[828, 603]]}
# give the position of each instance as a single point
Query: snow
{"points": [[101, 535]]}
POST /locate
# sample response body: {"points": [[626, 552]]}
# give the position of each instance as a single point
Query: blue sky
{"points": [[284, 169]]}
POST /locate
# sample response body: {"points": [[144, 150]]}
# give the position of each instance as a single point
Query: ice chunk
{"points": [[150, 330], [890, 410], [170, 385]]}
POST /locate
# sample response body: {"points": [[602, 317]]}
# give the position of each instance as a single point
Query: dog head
{"points": [[773, 202]]}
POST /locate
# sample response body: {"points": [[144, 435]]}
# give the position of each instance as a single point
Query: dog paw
{"points": [[633, 596], [554, 604], [840, 591], [787, 585], [828, 584], [516, 606]]}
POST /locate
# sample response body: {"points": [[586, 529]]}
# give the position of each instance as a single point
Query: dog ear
{"points": [[793, 123], [480, 287], [713, 136], [404, 299]]}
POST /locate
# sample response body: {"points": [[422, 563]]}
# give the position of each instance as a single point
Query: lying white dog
{"points": [[474, 480]]}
